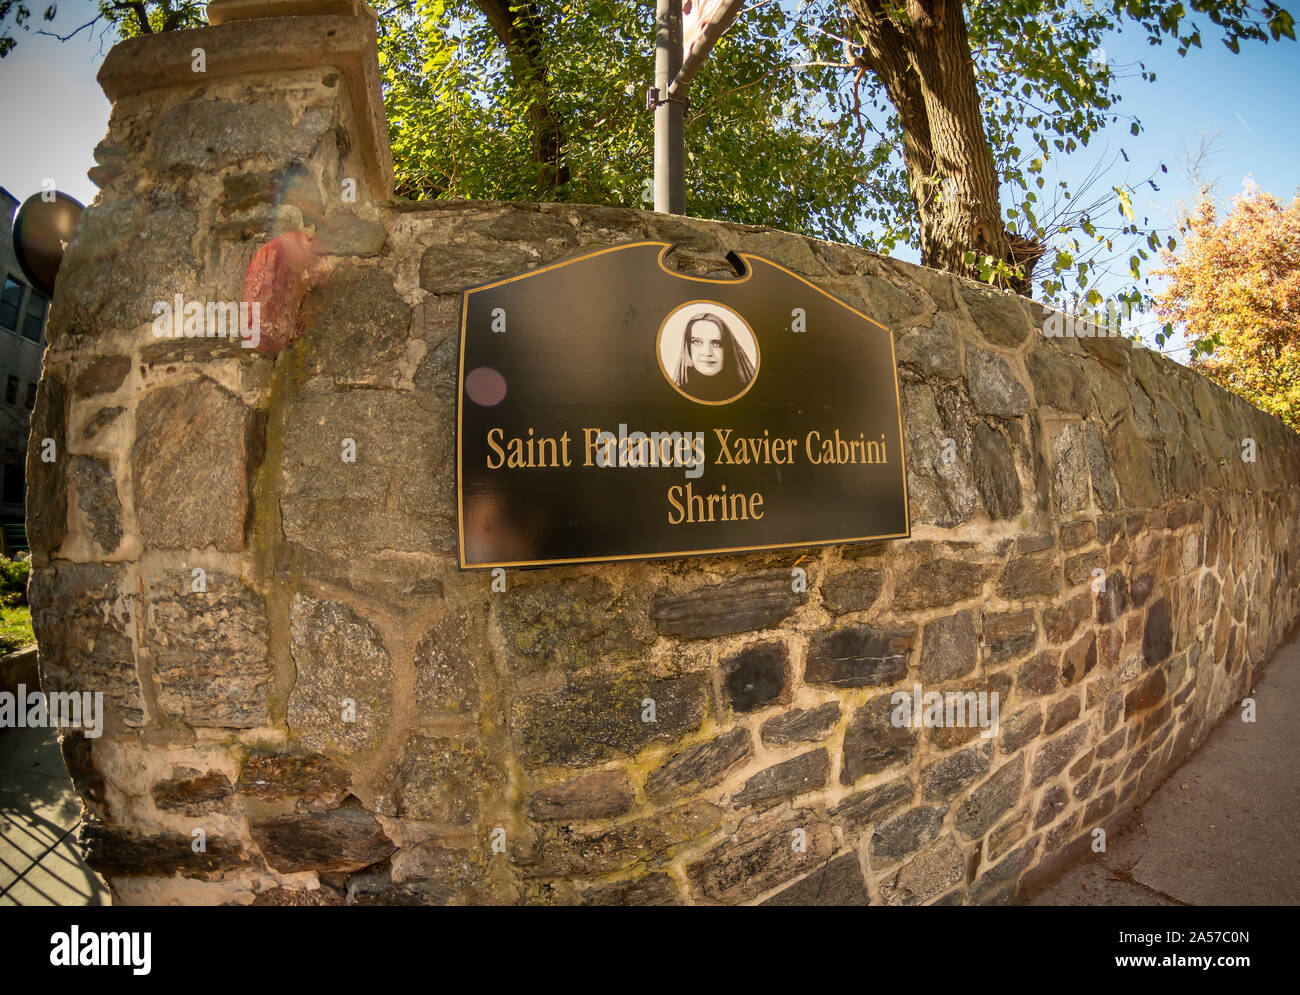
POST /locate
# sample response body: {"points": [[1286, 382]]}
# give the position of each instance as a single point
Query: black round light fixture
{"points": [[42, 230]]}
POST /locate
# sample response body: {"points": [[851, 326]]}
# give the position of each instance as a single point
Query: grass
{"points": [[15, 616], [15, 628]]}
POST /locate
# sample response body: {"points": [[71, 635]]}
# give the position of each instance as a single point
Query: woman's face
{"points": [[706, 347]]}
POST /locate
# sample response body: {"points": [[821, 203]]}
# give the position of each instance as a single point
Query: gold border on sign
{"points": [[460, 403], [758, 351]]}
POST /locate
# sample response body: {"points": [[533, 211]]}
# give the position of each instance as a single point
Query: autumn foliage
{"points": [[1236, 287]]}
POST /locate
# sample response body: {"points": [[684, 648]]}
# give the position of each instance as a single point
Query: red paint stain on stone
{"points": [[278, 278]]}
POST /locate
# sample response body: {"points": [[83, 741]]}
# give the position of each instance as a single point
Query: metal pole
{"points": [[670, 143]]}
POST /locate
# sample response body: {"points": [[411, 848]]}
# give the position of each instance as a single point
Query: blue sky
{"points": [[1248, 101], [54, 113]]}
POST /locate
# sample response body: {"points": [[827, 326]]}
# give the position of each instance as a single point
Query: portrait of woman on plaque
{"points": [[708, 352]]}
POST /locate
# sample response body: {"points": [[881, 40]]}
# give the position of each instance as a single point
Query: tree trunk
{"points": [[519, 29], [924, 62]]}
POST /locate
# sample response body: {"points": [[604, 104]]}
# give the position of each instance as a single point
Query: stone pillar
{"points": [[231, 149]]}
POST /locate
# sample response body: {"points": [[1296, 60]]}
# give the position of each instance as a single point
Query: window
{"points": [[34, 322], [11, 302], [11, 391], [14, 485], [31, 396]]}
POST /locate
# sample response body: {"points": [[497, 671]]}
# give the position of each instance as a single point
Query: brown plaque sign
{"points": [[611, 408]]}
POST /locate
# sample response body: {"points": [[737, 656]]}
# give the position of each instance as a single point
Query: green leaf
{"points": [[1125, 202]]}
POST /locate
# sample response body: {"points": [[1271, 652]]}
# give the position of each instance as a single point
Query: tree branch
{"points": [[71, 34], [520, 32]]}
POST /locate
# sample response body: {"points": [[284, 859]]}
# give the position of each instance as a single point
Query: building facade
{"points": [[23, 312]]}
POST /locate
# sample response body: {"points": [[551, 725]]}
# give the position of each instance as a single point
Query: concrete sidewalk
{"points": [[1221, 830], [40, 863]]}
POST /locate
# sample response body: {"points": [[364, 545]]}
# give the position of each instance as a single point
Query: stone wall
{"points": [[205, 558]]}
